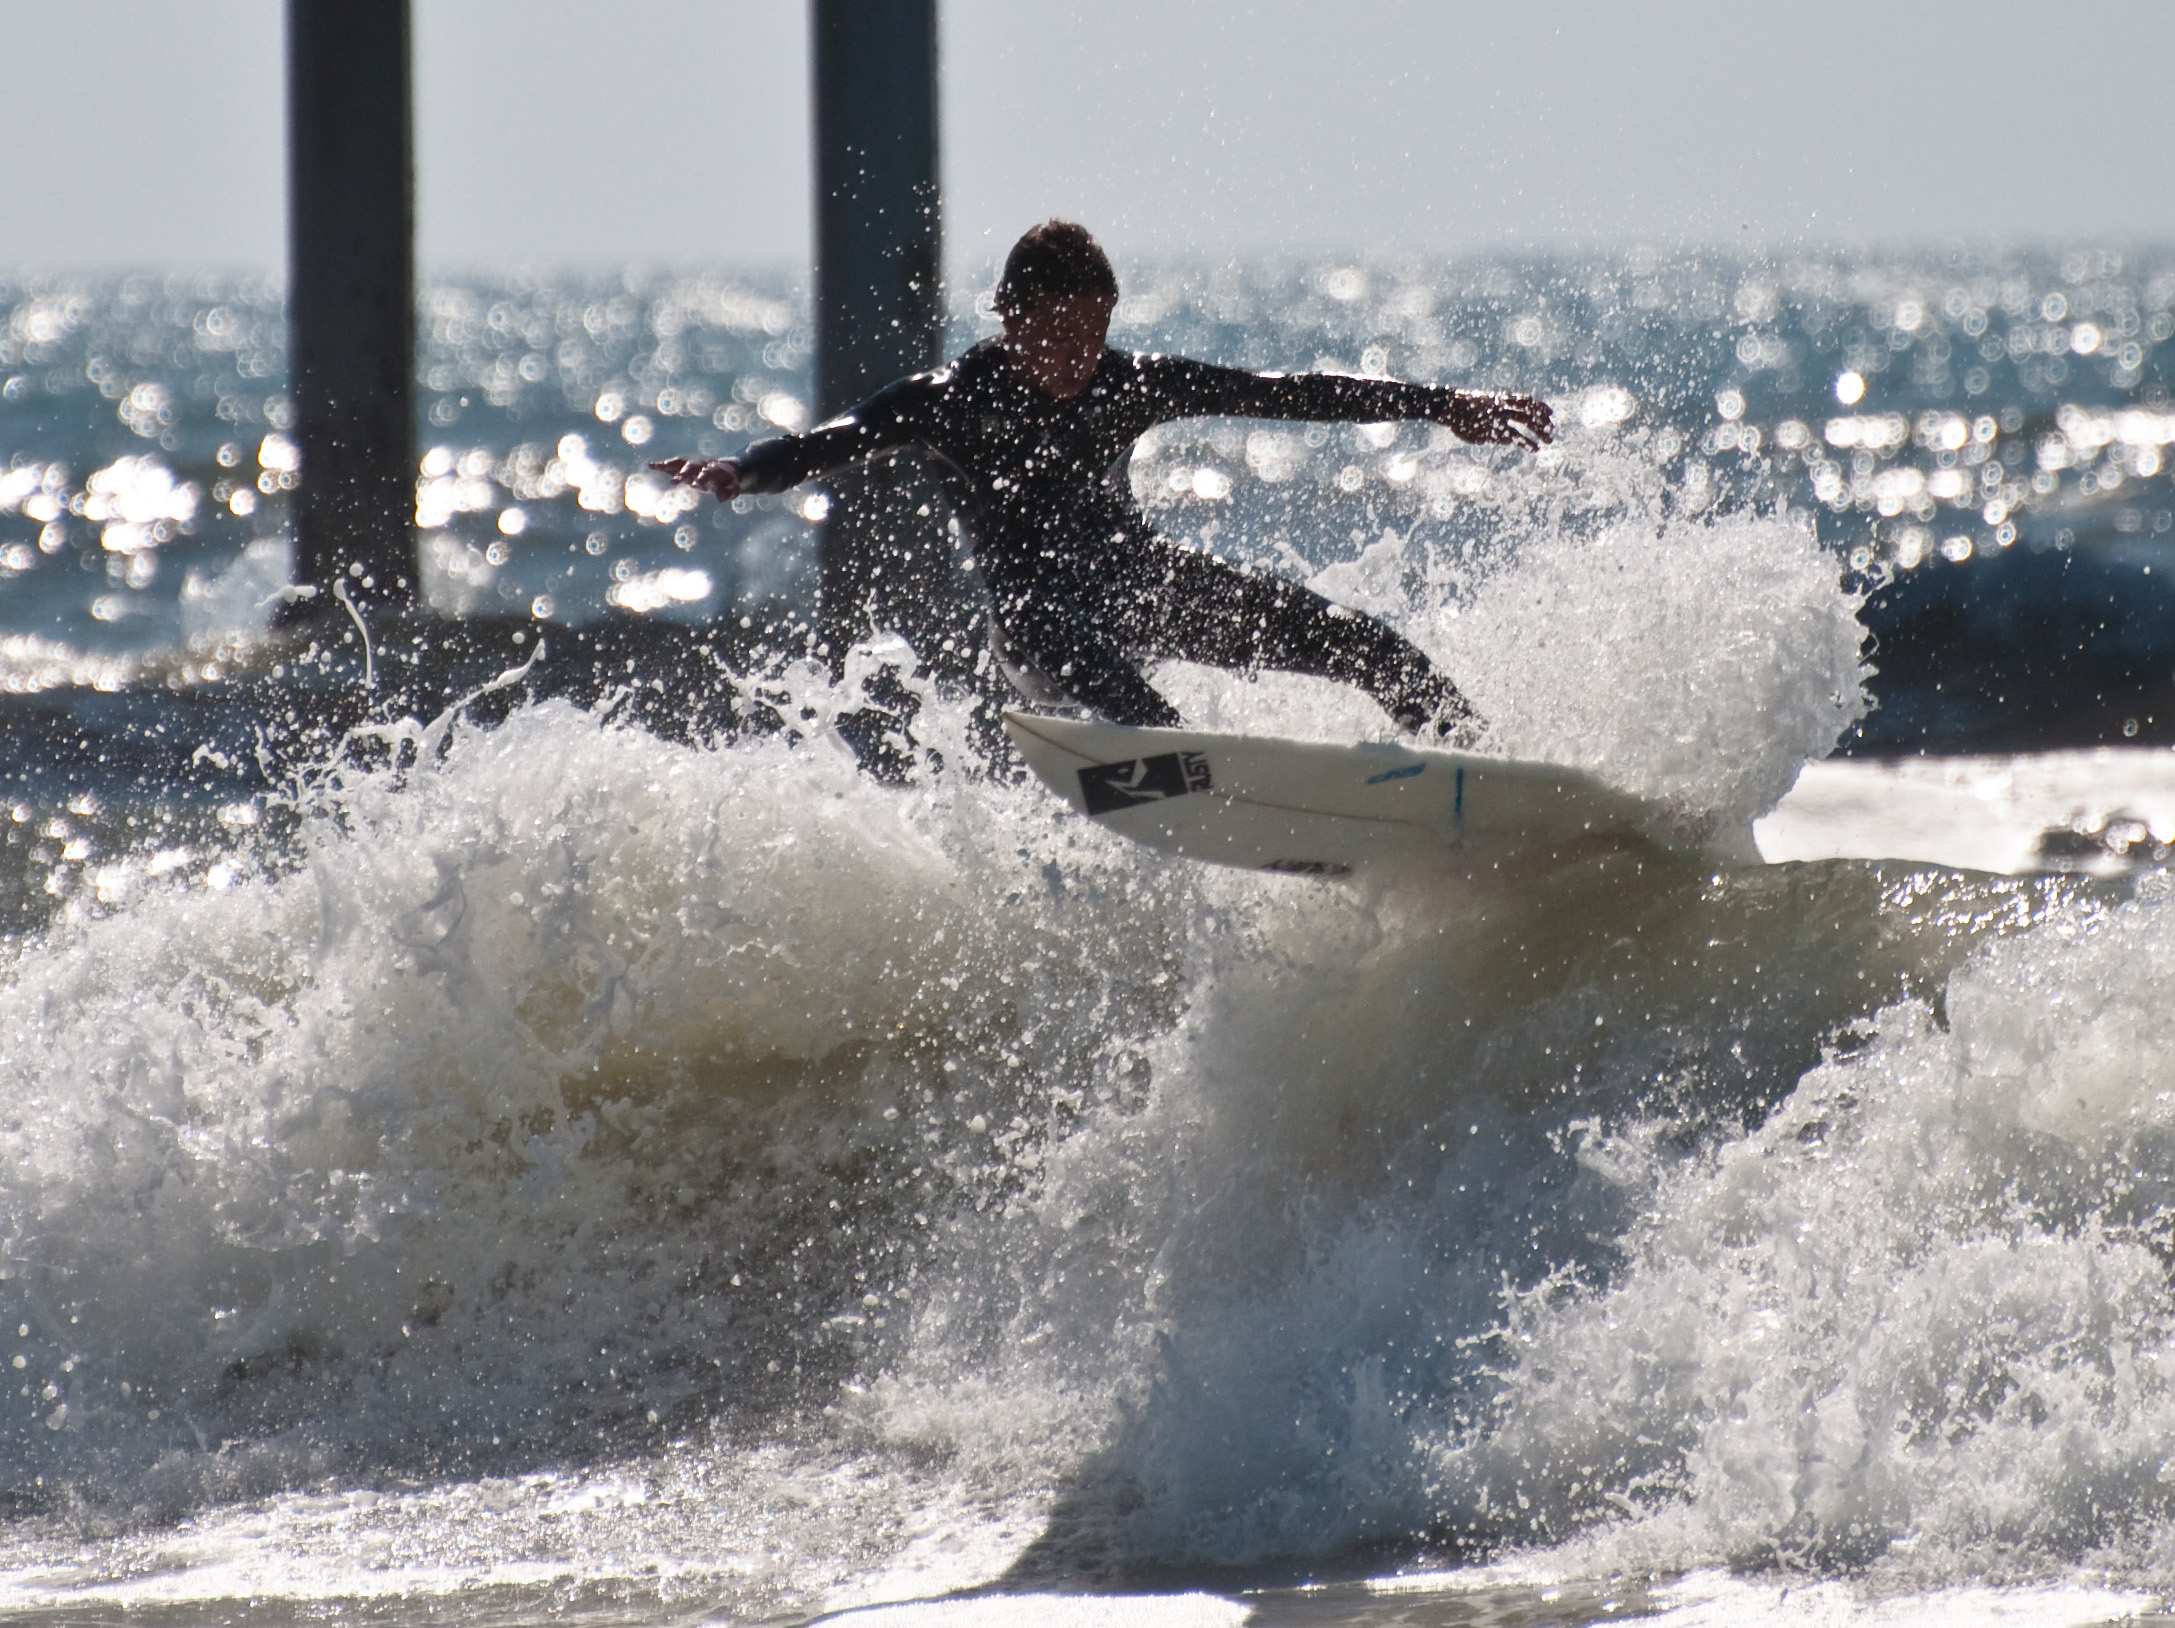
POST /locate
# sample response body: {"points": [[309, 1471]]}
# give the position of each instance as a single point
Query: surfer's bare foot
{"points": [[1456, 726], [1465, 732]]}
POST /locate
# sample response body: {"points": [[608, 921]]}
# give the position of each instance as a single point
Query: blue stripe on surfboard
{"points": [[1387, 775]]}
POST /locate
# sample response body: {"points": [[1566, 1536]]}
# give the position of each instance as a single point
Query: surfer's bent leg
{"points": [[1081, 654], [1208, 611]]}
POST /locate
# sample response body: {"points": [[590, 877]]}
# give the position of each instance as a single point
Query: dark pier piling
{"points": [[351, 297], [880, 315]]}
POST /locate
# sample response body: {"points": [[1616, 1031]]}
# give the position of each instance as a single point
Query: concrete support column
{"points": [[351, 294], [879, 309]]}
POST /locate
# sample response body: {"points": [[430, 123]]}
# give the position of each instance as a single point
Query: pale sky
{"points": [[148, 132]]}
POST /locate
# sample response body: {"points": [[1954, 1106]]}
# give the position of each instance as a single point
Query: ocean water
{"points": [[482, 1164]]}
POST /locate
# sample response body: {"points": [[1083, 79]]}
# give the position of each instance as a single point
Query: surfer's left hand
{"points": [[1501, 420]]}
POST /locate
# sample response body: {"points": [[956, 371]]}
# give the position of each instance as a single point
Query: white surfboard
{"points": [[1306, 808]]}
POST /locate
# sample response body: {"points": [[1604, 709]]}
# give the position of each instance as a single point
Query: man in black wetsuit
{"points": [[1030, 432]]}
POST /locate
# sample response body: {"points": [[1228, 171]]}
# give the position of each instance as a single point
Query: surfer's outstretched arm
{"points": [[1183, 388], [894, 417]]}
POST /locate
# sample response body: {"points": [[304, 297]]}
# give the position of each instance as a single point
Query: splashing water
{"points": [[897, 1188], [1919, 1317]]}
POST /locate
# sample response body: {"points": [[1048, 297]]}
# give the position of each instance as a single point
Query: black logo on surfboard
{"points": [[1307, 867], [1108, 787]]}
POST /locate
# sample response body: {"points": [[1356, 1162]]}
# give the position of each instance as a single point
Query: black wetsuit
{"points": [[1084, 589]]}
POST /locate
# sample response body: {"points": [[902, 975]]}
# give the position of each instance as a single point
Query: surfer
{"points": [[1030, 432]]}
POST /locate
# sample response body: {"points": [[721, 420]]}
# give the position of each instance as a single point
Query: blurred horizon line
{"points": [[984, 268]]}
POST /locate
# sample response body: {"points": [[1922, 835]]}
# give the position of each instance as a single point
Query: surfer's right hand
{"points": [[720, 477]]}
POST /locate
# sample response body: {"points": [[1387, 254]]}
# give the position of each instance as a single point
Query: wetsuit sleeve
{"points": [[1179, 387], [898, 415]]}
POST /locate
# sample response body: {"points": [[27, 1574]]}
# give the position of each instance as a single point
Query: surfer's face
{"points": [[1059, 343]]}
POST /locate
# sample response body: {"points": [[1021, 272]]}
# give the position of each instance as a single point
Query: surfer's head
{"points": [[1056, 297]]}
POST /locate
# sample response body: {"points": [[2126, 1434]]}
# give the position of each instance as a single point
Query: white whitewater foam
{"points": [[1919, 1318], [572, 1086], [482, 1089]]}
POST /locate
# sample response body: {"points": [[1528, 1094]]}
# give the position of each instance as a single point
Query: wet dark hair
{"points": [[1051, 261]]}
